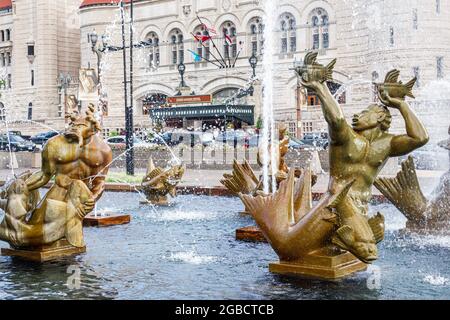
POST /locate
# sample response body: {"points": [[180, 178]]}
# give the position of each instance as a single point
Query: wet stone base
{"points": [[158, 203], [252, 234], [59, 249], [325, 265], [106, 220]]}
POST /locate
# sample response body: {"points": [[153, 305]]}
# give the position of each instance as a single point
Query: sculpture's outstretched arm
{"points": [[98, 184], [41, 178], [416, 135], [338, 127]]}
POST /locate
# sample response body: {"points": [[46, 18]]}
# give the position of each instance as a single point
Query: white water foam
{"points": [[191, 257], [436, 280]]}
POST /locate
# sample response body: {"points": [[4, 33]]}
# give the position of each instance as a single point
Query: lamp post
{"points": [[93, 37], [65, 79], [182, 70], [253, 60], [127, 94]]}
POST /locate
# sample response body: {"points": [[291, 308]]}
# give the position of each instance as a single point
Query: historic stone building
{"points": [[39, 44], [368, 38]]}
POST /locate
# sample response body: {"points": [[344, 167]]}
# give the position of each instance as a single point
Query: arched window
{"points": [[256, 35], [8, 34], [30, 111], [153, 56], [320, 29], [2, 112], [177, 47], [228, 96], [151, 101], [229, 40], [202, 46], [3, 35], [288, 29]]}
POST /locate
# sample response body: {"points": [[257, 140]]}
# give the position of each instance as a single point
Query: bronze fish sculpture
{"points": [[395, 88], [313, 71], [360, 235]]}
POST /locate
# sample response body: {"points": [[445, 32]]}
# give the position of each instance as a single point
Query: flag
{"points": [[197, 57], [228, 39], [201, 38], [210, 30]]}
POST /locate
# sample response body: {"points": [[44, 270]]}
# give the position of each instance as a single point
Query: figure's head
{"points": [[374, 116], [82, 128]]}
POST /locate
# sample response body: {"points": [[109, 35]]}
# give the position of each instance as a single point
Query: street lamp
{"points": [[182, 70], [253, 60], [64, 82], [98, 51]]}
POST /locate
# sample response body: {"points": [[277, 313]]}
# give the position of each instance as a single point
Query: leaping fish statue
{"points": [[395, 88], [313, 71]]}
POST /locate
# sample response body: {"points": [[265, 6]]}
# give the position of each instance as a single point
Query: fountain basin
{"points": [[189, 251]]}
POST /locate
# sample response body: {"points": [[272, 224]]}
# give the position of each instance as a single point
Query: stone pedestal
{"points": [[327, 264], [106, 220], [252, 234], [160, 202], [59, 249]]}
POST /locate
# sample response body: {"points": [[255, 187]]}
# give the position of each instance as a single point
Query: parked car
{"points": [[255, 141], [192, 138], [121, 140], [164, 139], [231, 137], [19, 133], [42, 138], [297, 144], [15, 143], [316, 139]]}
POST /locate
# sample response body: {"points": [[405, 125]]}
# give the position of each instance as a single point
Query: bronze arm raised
{"points": [[332, 112], [41, 178], [416, 135]]}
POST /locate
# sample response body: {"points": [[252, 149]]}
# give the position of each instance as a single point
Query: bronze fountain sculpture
{"points": [[244, 180], [423, 216], [336, 237], [49, 228], [159, 183]]}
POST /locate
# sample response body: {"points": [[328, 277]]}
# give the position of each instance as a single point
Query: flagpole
{"points": [[201, 42], [205, 58], [212, 40], [237, 56]]}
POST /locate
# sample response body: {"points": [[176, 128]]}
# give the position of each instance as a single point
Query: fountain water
{"points": [[268, 155]]}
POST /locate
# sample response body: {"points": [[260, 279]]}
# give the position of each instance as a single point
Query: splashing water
{"points": [[436, 280], [192, 258], [267, 112]]}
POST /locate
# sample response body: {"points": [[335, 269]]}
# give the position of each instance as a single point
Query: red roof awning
{"points": [[90, 3], [5, 4]]}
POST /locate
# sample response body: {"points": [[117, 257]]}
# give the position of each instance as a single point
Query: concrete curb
{"points": [[199, 191]]}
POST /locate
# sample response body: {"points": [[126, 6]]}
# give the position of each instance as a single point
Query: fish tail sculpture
{"points": [[405, 193], [329, 70], [242, 179], [275, 216], [159, 182], [409, 86]]}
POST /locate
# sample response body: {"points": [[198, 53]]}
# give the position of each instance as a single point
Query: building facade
{"points": [[39, 61], [368, 37]]}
